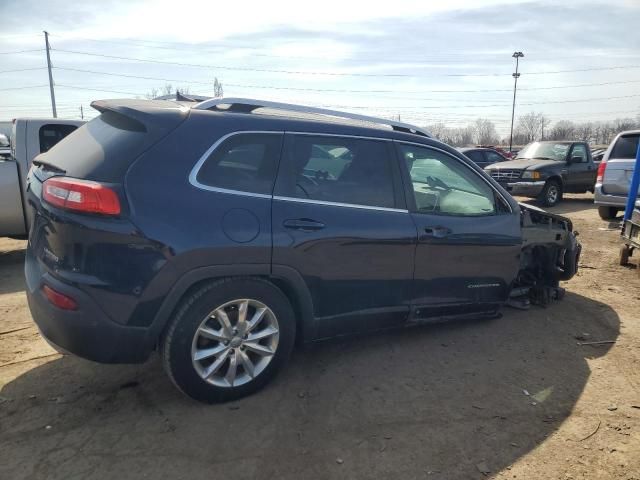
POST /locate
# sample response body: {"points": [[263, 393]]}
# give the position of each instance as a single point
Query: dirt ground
{"points": [[515, 397]]}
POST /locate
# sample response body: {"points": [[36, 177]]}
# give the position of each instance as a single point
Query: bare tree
{"points": [[484, 132], [218, 91], [621, 124], [153, 93], [529, 126], [584, 131], [563, 130], [438, 130], [544, 125], [167, 89]]}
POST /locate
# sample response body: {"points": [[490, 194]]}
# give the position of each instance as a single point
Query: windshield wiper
{"points": [[534, 158]]}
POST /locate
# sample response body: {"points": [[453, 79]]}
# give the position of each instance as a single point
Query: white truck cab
{"points": [[29, 137]]}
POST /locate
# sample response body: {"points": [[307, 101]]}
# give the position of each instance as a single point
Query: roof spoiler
{"points": [[143, 115]]}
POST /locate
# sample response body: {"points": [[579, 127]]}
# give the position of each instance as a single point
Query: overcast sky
{"points": [[425, 61]]}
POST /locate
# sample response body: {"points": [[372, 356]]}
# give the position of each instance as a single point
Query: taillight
{"points": [[59, 299], [601, 169], [80, 196]]}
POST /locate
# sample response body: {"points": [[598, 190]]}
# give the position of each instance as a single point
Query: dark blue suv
{"points": [[220, 234]]}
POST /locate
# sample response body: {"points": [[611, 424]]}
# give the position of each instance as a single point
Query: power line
{"points": [[98, 89], [22, 70], [22, 51], [337, 90], [267, 70], [339, 74], [22, 88]]}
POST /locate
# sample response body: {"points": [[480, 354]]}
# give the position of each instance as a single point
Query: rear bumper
{"points": [[525, 189], [607, 200], [86, 332]]}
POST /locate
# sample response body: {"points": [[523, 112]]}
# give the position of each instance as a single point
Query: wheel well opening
{"points": [[288, 291]]}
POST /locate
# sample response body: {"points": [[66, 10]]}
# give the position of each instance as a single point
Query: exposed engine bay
{"points": [[550, 253]]}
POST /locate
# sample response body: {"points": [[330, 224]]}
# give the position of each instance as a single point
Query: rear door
{"points": [[468, 236], [617, 175], [340, 220]]}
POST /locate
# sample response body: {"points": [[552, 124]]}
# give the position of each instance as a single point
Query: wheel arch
{"points": [[288, 280], [557, 177]]}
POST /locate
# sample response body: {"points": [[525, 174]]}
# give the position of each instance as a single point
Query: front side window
{"points": [[52, 133], [244, 162], [338, 169], [444, 186], [579, 151]]}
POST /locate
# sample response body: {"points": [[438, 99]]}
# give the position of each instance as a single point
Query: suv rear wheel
{"points": [[608, 213], [551, 193], [228, 339]]}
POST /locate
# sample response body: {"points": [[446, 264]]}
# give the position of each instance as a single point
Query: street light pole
{"points": [[516, 75]]}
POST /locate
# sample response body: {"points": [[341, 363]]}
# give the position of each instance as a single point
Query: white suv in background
{"points": [[614, 174]]}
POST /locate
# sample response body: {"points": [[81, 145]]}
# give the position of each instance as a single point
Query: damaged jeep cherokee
{"points": [[221, 233]]}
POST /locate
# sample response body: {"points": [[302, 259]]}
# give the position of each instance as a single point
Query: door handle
{"points": [[304, 224], [437, 232]]}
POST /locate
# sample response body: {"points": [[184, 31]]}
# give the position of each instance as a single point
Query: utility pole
{"points": [[517, 56], [81, 113], [53, 95]]}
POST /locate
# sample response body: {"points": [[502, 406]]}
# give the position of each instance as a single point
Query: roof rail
{"points": [[247, 105]]}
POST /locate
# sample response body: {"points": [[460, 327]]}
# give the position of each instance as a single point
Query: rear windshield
{"points": [[626, 147], [52, 133], [102, 149]]}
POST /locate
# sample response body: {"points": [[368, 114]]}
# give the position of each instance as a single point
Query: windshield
{"points": [[545, 151]]}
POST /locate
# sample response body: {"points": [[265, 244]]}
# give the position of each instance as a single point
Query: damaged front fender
{"points": [[550, 253]]}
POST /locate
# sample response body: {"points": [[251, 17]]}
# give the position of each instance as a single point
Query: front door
{"points": [[340, 220], [581, 172], [468, 236]]}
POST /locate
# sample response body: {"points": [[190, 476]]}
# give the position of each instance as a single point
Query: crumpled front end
{"points": [[550, 253]]}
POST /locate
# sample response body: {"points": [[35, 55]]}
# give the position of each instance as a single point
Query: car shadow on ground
{"points": [[441, 398], [12, 271]]}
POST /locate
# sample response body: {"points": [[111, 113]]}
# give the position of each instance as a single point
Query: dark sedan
{"points": [[483, 157]]}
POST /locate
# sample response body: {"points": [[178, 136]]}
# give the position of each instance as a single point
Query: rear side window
{"points": [[493, 157], [338, 169], [51, 134], [626, 147], [476, 156], [243, 162]]}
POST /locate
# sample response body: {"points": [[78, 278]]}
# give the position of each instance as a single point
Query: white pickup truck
{"points": [[29, 137]]}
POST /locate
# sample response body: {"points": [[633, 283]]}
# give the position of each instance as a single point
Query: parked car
{"points": [[500, 150], [546, 170], [597, 154], [483, 156], [29, 138], [614, 174], [5, 147], [222, 233]]}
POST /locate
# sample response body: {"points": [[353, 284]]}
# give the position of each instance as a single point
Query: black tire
{"points": [[625, 253], [176, 345], [551, 194], [608, 213]]}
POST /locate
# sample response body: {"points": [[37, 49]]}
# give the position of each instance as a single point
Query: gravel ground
{"points": [[515, 397]]}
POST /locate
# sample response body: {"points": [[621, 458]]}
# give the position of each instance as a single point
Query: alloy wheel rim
{"points": [[235, 342], [552, 194]]}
